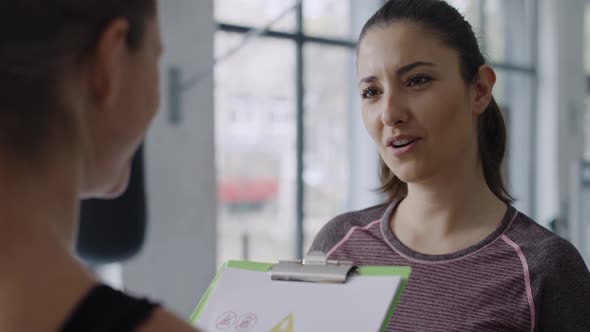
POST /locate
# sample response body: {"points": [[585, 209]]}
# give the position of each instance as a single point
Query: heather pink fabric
{"points": [[521, 277]]}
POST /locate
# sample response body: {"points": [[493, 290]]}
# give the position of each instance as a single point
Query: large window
{"points": [[282, 100], [285, 111], [255, 140]]}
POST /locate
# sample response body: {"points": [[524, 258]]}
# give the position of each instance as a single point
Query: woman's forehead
{"points": [[398, 44]]}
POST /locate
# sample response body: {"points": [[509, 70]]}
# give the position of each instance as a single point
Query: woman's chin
{"points": [[409, 176]]}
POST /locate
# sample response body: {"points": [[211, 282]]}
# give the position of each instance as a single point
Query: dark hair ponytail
{"points": [[491, 138], [450, 26]]}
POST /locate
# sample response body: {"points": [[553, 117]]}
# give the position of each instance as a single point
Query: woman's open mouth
{"points": [[403, 145], [403, 142]]}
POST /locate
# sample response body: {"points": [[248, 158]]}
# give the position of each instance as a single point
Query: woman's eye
{"points": [[369, 93], [418, 80]]}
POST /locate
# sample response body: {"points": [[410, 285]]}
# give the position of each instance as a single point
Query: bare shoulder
{"points": [[163, 320]]}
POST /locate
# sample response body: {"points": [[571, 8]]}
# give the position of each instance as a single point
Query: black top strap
{"points": [[105, 309]]}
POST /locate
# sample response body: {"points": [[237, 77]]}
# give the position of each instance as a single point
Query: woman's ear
{"points": [[107, 63], [482, 88]]}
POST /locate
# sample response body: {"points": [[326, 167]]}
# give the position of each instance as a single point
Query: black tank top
{"points": [[105, 309]]}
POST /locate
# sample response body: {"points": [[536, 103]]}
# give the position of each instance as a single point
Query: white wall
{"points": [[178, 261]]}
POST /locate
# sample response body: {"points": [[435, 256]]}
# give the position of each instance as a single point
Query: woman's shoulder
{"points": [[557, 274], [335, 229], [545, 252]]}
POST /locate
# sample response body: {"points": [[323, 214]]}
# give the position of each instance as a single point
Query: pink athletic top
{"points": [[522, 277]]}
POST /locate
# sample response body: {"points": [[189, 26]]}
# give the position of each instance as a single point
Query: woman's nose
{"points": [[395, 111]]}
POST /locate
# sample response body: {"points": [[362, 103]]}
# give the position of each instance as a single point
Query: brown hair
{"points": [[454, 31], [39, 42]]}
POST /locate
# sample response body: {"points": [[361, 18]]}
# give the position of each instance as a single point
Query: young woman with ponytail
{"points": [[477, 263]]}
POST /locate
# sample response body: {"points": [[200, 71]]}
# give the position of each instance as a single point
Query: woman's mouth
{"points": [[403, 145], [403, 142]]}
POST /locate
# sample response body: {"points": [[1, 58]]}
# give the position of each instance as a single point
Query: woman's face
{"points": [[415, 104], [128, 92]]}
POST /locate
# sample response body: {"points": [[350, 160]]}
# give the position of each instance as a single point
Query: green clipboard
{"points": [[402, 271]]}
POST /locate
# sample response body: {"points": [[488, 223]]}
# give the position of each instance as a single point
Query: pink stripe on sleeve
{"points": [[348, 235], [527, 278]]}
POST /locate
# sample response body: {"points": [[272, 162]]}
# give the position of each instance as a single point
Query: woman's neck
{"points": [[40, 279], [448, 213], [42, 200]]}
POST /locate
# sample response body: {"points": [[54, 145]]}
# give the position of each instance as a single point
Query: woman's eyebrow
{"points": [[413, 65], [401, 71]]}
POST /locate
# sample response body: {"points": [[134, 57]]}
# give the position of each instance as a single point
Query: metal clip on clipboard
{"points": [[313, 268]]}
